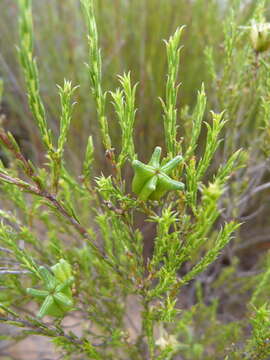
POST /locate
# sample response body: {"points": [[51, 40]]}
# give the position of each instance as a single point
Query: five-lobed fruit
{"points": [[152, 181], [57, 294]]}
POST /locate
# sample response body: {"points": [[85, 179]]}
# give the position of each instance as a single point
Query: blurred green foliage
{"points": [[131, 34]]}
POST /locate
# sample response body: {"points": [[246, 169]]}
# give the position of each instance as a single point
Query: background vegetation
{"points": [[224, 312]]}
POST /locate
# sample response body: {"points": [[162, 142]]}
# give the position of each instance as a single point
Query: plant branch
{"points": [[61, 209]]}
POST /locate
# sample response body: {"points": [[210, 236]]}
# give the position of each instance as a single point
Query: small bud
{"points": [[260, 36], [213, 191], [166, 340]]}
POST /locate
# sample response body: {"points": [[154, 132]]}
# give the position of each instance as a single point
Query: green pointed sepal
{"points": [[165, 183], [143, 173], [62, 270]]}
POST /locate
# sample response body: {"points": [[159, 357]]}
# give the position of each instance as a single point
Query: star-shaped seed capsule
{"points": [[152, 181], [57, 294]]}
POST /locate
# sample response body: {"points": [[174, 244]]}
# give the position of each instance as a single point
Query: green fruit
{"points": [[151, 181], [57, 294]]}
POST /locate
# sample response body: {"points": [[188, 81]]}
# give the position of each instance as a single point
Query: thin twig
{"points": [[6, 250], [254, 191], [4, 272]]}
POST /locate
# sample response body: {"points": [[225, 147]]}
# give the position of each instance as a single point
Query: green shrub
{"points": [[80, 246]]}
